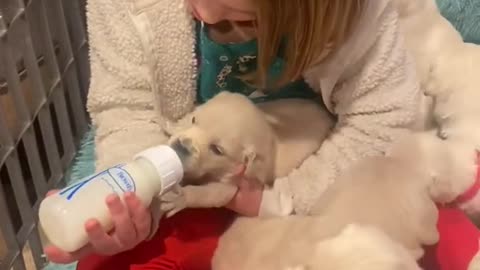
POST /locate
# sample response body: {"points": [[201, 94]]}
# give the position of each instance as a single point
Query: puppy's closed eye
{"points": [[216, 149]]}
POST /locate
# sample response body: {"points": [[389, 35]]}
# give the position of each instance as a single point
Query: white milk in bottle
{"points": [[63, 215]]}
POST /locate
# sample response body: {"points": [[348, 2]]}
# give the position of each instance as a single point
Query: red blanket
{"points": [[188, 240]]}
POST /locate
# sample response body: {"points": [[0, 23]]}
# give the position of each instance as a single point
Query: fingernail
{"points": [[129, 195], [113, 198], [91, 224]]}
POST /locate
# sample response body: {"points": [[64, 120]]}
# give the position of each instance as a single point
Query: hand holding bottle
{"points": [[132, 225], [107, 212]]}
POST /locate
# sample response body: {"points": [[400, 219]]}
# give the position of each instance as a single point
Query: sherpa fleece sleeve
{"points": [[374, 107], [120, 97]]}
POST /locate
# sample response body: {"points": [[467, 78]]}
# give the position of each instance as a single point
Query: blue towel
{"points": [[464, 15]]}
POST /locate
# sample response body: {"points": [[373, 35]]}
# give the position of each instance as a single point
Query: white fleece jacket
{"points": [[144, 81]]}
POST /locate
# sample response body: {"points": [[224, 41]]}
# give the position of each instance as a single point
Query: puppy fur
{"points": [[230, 137], [287, 247], [449, 73], [386, 198]]}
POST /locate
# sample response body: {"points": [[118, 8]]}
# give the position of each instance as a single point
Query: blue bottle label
{"points": [[117, 178]]}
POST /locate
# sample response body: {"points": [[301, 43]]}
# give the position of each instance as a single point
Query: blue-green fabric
{"points": [[464, 15], [221, 67]]}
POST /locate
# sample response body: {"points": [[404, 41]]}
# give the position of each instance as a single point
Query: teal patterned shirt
{"points": [[221, 65]]}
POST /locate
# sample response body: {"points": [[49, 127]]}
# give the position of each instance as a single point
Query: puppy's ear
{"points": [[172, 129], [257, 167]]}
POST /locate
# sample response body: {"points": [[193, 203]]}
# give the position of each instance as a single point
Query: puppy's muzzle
{"points": [[184, 147]]}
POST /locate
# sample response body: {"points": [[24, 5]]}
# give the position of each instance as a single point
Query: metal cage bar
{"points": [[44, 77]]}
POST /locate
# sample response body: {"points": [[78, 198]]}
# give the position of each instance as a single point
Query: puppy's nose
{"points": [[183, 146]]}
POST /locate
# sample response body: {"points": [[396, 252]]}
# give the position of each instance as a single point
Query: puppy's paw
{"points": [[173, 202]]}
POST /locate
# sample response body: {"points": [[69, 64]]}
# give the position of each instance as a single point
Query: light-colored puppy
{"points": [[389, 194], [449, 71], [231, 137], [353, 249], [283, 244]]}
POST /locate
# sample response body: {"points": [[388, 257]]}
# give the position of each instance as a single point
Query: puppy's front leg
{"points": [[209, 195], [206, 196]]}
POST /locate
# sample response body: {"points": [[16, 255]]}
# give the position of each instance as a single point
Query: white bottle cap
{"points": [[167, 163]]}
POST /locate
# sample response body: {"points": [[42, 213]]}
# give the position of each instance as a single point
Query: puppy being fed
{"points": [[231, 137]]}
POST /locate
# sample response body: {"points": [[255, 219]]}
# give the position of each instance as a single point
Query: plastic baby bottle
{"points": [[63, 215]]}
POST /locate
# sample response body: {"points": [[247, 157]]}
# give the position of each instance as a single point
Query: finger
{"points": [[101, 242], [248, 184], [239, 171], [59, 256], [51, 192], [125, 231], [141, 216], [253, 184]]}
